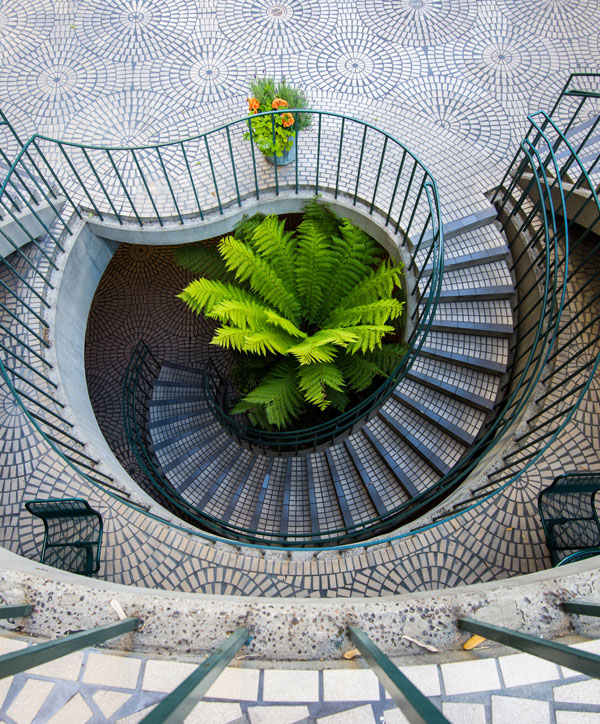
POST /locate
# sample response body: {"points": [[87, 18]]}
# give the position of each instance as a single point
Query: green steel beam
{"points": [[416, 707], [174, 708], [583, 608], [581, 661], [18, 661], [15, 611]]}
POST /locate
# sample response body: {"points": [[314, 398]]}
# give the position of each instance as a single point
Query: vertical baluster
{"points": [[189, 170]]}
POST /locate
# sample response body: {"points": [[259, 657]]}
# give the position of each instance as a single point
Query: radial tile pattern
{"points": [[126, 30], [553, 18], [491, 56], [30, 21], [268, 27], [461, 108], [418, 22], [199, 72], [58, 78]]}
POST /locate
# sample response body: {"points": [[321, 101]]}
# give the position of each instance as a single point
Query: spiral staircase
{"points": [[503, 351]]}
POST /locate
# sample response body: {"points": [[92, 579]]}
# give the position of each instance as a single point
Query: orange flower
{"points": [[279, 103], [253, 105], [287, 120]]}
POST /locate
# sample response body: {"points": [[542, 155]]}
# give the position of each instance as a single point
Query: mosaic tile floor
{"points": [[95, 687], [453, 80]]}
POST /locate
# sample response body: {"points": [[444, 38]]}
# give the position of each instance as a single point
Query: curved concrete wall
{"points": [[296, 629]]}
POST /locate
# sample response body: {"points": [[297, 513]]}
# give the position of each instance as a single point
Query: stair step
{"points": [[457, 416], [482, 403], [435, 418], [388, 487], [487, 317], [264, 488], [490, 351], [436, 462], [471, 259], [187, 454], [335, 476], [172, 371], [396, 467], [206, 462], [240, 489], [180, 436], [366, 478], [312, 500], [197, 411], [475, 363], [477, 293]]}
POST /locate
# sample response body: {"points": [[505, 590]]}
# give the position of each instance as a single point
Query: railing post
{"points": [[174, 708], [416, 707], [17, 661], [15, 611], [581, 661]]}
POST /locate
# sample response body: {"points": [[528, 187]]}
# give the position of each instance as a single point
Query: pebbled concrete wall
{"points": [[288, 629]]}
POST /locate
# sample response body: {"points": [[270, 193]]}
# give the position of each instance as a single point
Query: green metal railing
{"points": [[537, 183], [532, 204]]}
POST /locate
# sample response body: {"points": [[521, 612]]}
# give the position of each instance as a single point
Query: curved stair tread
{"points": [[384, 487], [458, 418], [486, 317], [474, 387], [411, 467], [491, 353]]}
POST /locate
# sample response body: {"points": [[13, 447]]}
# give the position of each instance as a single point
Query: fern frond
{"points": [[246, 226], [368, 336], [378, 312], [264, 281], [277, 394], [314, 263], [241, 313], [230, 337], [338, 398], [203, 295], [320, 216], [358, 371], [355, 254], [387, 357], [314, 380], [278, 321], [378, 284], [321, 346], [276, 246], [263, 341], [204, 261]]}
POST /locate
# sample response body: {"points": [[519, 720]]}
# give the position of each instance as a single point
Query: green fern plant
{"points": [[314, 304]]}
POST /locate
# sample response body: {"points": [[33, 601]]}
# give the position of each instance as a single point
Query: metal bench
{"points": [[569, 516], [73, 534]]}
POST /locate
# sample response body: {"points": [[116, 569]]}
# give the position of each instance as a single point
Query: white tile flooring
{"points": [[95, 686]]}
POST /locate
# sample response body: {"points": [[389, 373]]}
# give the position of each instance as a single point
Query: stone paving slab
{"points": [[244, 694]]}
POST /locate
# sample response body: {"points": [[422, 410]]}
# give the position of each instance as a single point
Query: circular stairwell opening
{"points": [[197, 462]]}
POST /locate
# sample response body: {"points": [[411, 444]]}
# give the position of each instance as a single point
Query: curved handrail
{"points": [[60, 450]]}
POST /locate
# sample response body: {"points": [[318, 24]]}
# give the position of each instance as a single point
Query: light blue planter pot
{"points": [[286, 157]]}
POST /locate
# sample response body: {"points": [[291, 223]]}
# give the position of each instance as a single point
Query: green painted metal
{"points": [[179, 703], [17, 661], [15, 611], [581, 661], [416, 707], [583, 608], [72, 534]]}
